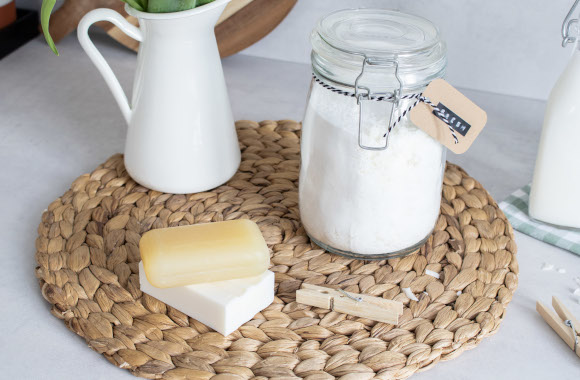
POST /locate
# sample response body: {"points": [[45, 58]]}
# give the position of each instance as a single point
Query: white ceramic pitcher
{"points": [[181, 136]]}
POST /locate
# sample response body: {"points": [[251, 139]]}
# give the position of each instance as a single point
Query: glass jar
{"points": [[370, 180]]}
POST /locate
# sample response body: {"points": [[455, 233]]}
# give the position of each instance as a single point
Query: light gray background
{"points": [[507, 47]]}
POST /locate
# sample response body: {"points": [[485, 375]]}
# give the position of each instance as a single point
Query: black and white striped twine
{"points": [[419, 98]]}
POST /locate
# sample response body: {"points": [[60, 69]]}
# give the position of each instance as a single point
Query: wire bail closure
{"points": [[567, 25], [365, 94]]}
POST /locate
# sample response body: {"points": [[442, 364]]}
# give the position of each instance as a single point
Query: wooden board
{"points": [[232, 8], [250, 24], [243, 23]]}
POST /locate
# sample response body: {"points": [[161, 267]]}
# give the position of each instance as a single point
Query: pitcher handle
{"points": [[129, 29]]}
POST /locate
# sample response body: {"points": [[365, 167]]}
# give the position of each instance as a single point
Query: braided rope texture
{"points": [[87, 255]]}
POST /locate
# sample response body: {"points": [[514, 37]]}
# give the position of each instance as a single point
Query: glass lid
{"points": [[342, 39], [377, 32]]}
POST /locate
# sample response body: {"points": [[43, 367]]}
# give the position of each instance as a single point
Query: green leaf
{"points": [[137, 4], [166, 6], [203, 2], [45, 11]]}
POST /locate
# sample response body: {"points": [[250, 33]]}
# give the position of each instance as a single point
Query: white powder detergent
{"points": [[362, 201]]}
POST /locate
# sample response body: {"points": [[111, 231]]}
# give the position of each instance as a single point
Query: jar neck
{"points": [[412, 72], [348, 90]]}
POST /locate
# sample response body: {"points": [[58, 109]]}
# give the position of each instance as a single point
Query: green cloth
{"points": [[515, 208]]}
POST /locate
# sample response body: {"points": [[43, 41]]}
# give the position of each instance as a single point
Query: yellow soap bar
{"points": [[203, 253]]}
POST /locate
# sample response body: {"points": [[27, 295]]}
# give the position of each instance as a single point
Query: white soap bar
{"points": [[224, 305]]}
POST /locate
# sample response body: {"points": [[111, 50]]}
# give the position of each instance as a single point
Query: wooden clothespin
{"points": [[359, 305], [564, 323]]}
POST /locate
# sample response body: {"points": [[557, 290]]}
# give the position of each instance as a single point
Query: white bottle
{"points": [[555, 193]]}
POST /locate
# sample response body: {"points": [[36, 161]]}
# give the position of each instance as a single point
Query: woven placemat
{"points": [[87, 254]]}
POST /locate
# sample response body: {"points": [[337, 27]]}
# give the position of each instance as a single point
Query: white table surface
{"points": [[57, 121]]}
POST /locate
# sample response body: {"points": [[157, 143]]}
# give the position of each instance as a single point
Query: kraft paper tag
{"points": [[464, 116]]}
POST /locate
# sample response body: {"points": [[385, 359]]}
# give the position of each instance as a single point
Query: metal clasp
{"points": [[364, 95], [567, 25]]}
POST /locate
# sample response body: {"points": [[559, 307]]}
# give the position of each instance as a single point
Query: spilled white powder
{"points": [[576, 292], [459, 292], [431, 273], [577, 280], [410, 294], [561, 270], [361, 201], [547, 266]]}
